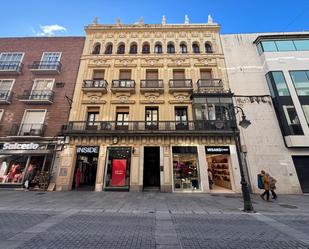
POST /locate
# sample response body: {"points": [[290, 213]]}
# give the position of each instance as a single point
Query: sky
{"points": [[68, 17]]}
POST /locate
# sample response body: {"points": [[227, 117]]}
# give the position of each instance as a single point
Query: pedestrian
{"points": [[31, 173], [210, 178], [272, 186], [265, 182], [77, 177]]}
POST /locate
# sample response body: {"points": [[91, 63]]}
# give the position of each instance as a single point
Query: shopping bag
{"points": [[26, 184], [260, 181]]}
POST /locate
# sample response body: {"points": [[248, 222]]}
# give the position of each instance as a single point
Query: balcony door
{"points": [[181, 118], [42, 89], [98, 77], [124, 76], [151, 118], [5, 89], [92, 118], [33, 123], [122, 118], [179, 78], [50, 60], [10, 61], [152, 77]]}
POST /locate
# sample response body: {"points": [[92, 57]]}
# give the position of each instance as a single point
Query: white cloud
{"points": [[50, 30]]}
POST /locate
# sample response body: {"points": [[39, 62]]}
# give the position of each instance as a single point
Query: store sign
{"points": [[87, 149], [18, 146], [218, 150], [119, 168]]}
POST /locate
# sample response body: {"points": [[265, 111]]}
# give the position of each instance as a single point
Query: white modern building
{"points": [[269, 75]]}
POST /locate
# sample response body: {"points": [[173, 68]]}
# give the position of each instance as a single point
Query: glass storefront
{"points": [[14, 169], [117, 174], [185, 168]]}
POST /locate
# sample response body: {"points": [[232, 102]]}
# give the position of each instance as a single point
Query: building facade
{"points": [[269, 75], [151, 111], [37, 76]]}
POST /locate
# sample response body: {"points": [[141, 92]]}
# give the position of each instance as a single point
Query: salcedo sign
{"points": [[19, 146], [87, 149]]}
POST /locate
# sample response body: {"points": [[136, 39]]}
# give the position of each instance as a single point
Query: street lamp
{"points": [[244, 123]]}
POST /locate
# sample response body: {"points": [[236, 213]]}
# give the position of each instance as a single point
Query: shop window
{"points": [[185, 168], [118, 168]]}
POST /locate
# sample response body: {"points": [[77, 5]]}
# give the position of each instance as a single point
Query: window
{"points": [[109, 48], [33, 123], [42, 89], [183, 48], [98, 75], [122, 118], [292, 120], [301, 82], [96, 48], [121, 49], [170, 48], [306, 112], [10, 61], [125, 74], [51, 56], [133, 48], [5, 89], [205, 74], [195, 48], [208, 48], [158, 48], [285, 45], [151, 117], [146, 48], [276, 82], [269, 46], [92, 117], [181, 118], [302, 45]]}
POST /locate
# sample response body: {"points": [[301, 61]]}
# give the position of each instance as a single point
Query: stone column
{"points": [[202, 162], [167, 184], [100, 169]]}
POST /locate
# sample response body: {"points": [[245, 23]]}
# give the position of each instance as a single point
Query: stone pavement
{"points": [[113, 220]]}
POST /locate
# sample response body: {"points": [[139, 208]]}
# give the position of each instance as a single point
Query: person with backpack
{"points": [[265, 185]]}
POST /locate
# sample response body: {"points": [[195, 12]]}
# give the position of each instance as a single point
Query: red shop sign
{"points": [[119, 167]]}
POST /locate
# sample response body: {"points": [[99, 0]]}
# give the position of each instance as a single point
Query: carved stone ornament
{"points": [[181, 97], [98, 62], [134, 35], [122, 35], [146, 34], [97, 35], [123, 98], [183, 34], [152, 98], [195, 34], [110, 35], [158, 34], [94, 99], [170, 34]]}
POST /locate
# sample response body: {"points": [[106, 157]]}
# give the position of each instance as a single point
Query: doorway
{"points": [[302, 168], [151, 168]]}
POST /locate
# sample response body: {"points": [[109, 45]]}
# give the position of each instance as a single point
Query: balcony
{"points": [[5, 97], [123, 86], [149, 127], [152, 86], [32, 130], [180, 85], [95, 86], [210, 85], [46, 67], [37, 97], [10, 67]]}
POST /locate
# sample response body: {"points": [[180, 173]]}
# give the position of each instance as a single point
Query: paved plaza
{"points": [[112, 220]]}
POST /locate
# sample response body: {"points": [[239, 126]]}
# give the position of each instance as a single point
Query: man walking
{"points": [[265, 182]]}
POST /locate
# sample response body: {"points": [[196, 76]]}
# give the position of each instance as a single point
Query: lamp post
{"points": [[244, 123]]}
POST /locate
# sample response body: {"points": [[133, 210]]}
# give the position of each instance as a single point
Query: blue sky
{"points": [[68, 17]]}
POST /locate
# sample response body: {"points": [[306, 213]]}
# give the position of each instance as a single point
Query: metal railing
{"points": [[148, 126], [95, 84], [152, 83], [14, 66], [46, 65], [209, 83], [180, 83], [5, 96], [27, 129], [123, 84], [42, 95]]}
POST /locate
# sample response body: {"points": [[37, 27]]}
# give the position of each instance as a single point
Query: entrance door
{"points": [[152, 167], [302, 168]]}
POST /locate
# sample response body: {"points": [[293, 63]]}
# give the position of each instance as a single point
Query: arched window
{"points": [[195, 48], [109, 49], [158, 48], [96, 48], [121, 48], [171, 48], [183, 48], [133, 48], [208, 48], [146, 48]]}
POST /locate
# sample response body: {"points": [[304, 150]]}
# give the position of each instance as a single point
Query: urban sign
{"points": [[87, 149], [218, 150], [19, 146]]}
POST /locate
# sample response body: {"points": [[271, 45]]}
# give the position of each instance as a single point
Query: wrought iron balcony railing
{"points": [[95, 84], [42, 96], [209, 84], [46, 66], [151, 84], [146, 127], [8, 67], [123, 84], [5, 96], [27, 129]]}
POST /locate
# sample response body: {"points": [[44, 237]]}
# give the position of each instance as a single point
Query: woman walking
{"points": [[265, 181], [272, 186]]}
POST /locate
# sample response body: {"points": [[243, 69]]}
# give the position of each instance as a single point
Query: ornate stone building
{"points": [[152, 110]]}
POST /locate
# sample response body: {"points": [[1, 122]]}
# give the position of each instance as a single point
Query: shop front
{"points": [[17, 159]]}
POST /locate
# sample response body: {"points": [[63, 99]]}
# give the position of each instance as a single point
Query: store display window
{"points": [[219, 175], [14, 169], [118, 168], [185, 168]]}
